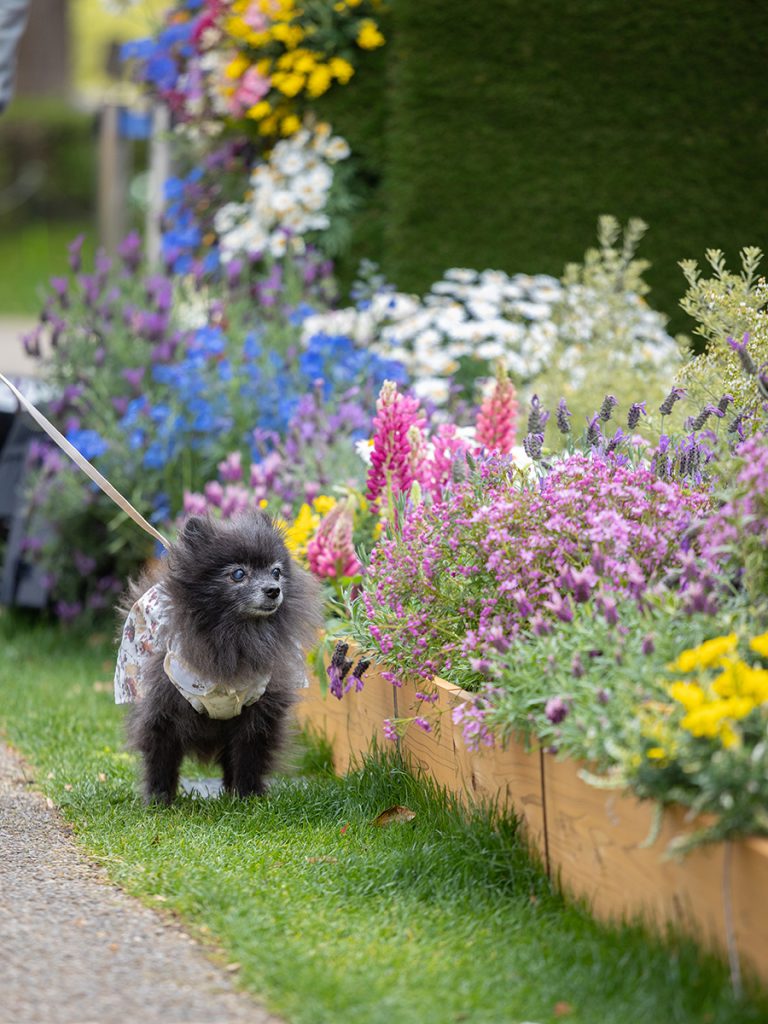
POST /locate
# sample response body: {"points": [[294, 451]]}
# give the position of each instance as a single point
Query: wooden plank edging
{"points": [[592, 841]]}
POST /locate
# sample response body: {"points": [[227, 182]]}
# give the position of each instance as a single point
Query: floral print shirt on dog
{"points": [[144, 634]]}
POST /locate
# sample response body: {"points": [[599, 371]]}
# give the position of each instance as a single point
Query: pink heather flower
{"points": [[497, 419], [390, 732], [231, 469], [195, 504], [392, 458], [214, 492], [331, 551], [446, 447], [235, 498]]}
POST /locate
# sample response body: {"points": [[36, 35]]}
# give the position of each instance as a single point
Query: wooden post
{"points": [[113, 186], [158, 174]]}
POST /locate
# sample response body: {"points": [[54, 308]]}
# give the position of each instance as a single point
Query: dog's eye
{"points": [[238, 575], [276, 574]]}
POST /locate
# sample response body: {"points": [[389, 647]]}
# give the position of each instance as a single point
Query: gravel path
{"points": [[74, 949]]}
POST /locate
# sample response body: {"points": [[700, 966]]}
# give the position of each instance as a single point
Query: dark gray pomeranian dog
{"points": [[213, 651]]}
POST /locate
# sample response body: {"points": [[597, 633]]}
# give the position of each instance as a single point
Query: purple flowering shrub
{"points": [[734, 539], [503, 556], [156, 384]]}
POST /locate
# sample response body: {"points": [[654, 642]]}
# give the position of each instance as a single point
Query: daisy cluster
{"points": [[287, 197], [530, 324]]}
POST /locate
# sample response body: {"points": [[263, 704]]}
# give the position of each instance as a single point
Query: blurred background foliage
{"points": [[486, 135]]}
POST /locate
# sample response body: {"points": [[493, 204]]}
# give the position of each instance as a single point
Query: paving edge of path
{"points": [[76, 948]]}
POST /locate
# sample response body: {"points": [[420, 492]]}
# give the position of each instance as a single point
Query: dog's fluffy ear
{"points": [[196, 530]]}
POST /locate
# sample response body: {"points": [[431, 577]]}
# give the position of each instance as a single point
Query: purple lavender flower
{"points": [[606, 409], [556, 710], [675, 395], [537, 417], [563, 415], [636, 410]]}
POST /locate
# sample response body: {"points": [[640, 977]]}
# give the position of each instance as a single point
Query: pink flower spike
{"points": [[398, 445], [497, 419], [331, 552]]}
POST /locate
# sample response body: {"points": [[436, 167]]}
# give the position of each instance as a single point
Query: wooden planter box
{"points": [[592, 842]]}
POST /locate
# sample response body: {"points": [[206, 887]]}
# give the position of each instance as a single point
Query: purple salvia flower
{"points": [[577, 668], [648, 645], [423, 724], [75, 249], [129, 251], [390, 732]]}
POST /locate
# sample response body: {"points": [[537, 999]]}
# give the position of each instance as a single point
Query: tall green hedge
{"points": [[500, 130]]}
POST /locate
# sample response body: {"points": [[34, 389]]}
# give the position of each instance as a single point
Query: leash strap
{"points": [[85, 465]]}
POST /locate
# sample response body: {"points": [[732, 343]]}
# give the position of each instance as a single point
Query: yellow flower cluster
{"points": [[302, 529], [275, 37], [713, 704]]}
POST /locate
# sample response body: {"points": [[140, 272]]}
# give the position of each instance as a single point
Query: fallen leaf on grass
{"points": [[562, 1009], [232, 968], [322, 860], [396, 815]]}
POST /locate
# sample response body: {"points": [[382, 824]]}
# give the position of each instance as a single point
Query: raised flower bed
{"points": [[592, 842]]}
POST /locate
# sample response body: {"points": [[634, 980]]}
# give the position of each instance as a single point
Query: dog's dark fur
{"points": [[220, 628]]}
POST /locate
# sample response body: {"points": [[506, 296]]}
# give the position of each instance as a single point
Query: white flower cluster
{"points": [[531, 324], [618, 329], [487, 316], [286, 199]]}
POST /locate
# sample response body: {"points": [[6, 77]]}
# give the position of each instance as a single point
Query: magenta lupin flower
{"points": [[497, 419], [393, 467], [331, 552]]}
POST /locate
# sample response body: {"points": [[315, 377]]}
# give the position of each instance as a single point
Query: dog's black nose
{"points": [[272, 592]]}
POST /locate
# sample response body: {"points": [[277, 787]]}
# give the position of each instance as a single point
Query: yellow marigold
{"points": [[706, 655], [690, 695], [301, 530], [319, 80], [290, 125], [759, 645], [288, 83], [656, 754], [289, 35], [323, 504], [369, 37], [258, 110], [269, 125], [237, 28], [341, 69], [305, 61], [741, 680], [339, 8], [237, 67]]}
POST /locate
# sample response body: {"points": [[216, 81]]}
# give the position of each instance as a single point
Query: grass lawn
{"points": [[331, 918], [31, 255]]}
